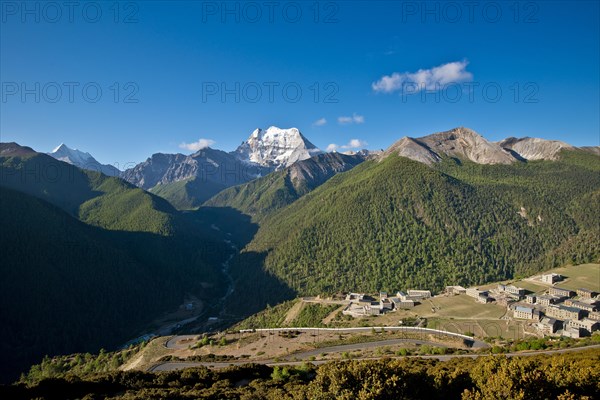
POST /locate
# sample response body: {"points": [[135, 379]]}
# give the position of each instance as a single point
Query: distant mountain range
{"points": [[465, 144], [82, 160], [187, 181]]}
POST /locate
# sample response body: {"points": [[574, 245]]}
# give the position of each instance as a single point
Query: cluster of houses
{"points": [[562, 312], [559, 311], [361, 305]]}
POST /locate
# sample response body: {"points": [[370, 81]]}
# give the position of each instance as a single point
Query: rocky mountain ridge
{"points": [[465, 144]]}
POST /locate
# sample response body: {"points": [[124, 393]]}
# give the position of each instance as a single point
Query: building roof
{"points": [[548, 321], [570, 309], [546, 296], [559, 288], [580, 304], [524, 309], [586, 290], [398, 300]]}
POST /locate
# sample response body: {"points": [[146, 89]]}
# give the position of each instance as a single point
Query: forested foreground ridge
{"points": [[564, 376], [396, 224], [88, 261]]}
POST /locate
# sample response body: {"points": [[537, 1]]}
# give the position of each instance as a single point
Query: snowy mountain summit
{"points": [[82, 160], [276, 147]]}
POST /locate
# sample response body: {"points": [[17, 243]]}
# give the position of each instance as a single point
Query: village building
{"points": [[574, 333], [366, 299], [512, 289], [402, 304], [530, 298], [385, 304], [355, 296], [525, 312], [422, 294], [414, 295], [354, 310], [475, 292], [586, 293], [546, 300], [372, 309], [580, 304], [484, 298], [505, 301], [383, 295], [594, 315], [556, 291], [455, 290], [586, 324], [549, 326], [563, 312], [551, 278]]}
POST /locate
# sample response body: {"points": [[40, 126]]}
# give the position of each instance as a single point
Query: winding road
{"points": [[182, 341], [173, 366]]}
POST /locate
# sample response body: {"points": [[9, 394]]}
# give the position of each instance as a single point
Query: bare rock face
{"points": [[160, 169], [534, 148], [467, 144], [461, 143], [208, 165], [275, 147], [413, 149], [308, 174]]}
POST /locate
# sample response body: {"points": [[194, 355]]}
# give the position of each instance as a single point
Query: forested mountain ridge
{"points": [[89, 260], [264, 195], [88, 195], [398, 224]]}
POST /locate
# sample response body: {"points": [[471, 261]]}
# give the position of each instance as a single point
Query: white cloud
{"points": [[352, 144], [320, 122], [356, 144], [199, 145], [429, 79], [354, 119]]}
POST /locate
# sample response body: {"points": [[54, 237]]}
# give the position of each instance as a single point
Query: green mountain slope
{"points": [[95, 198], [89, 260], [398, 224], [188, 194], [263, 196], [67, 286]]}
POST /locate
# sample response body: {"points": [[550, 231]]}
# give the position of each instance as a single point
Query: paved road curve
{"points": [[173, 366], [183, 341]]}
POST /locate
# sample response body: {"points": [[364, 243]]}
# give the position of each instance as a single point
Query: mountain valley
{"points": [[448, 208]]}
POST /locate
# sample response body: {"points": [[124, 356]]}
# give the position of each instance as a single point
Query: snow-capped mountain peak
{"points": [[72, 156], [276, 147], [82, 160]]}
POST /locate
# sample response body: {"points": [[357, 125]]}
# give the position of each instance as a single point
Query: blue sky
{"points": [[371, 72]]}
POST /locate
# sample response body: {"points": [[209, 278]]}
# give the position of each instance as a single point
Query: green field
{"points": [[459, 307], [532, 287], [580, 276]]}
